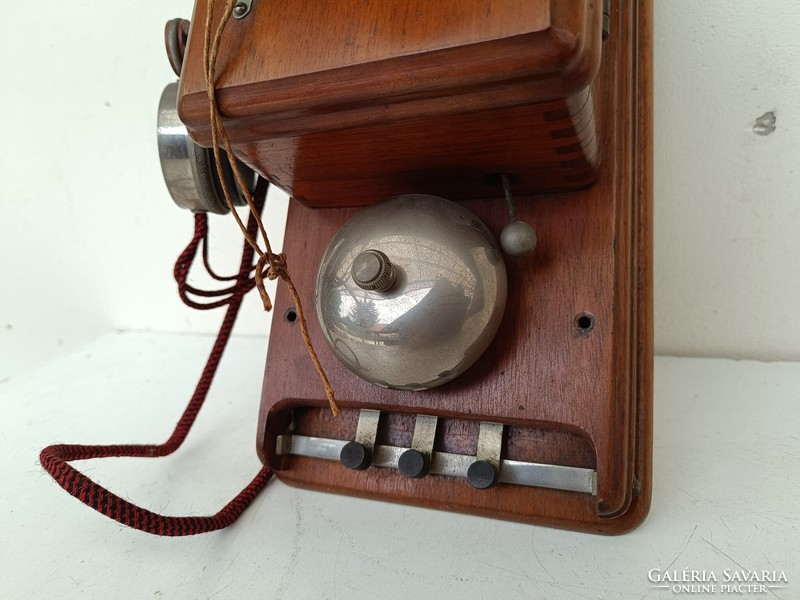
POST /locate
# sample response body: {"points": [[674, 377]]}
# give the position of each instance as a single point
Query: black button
{"points": [[355, 456], [412, 463], [481, 474]]}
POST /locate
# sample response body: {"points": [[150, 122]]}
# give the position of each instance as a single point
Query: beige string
{"points": [[270, 264]]}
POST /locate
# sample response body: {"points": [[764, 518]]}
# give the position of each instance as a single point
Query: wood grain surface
{"points": [[583, 400], [344, 103], [567, 397]]}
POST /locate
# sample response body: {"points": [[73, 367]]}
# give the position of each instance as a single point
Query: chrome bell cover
{"points": [[411, 292]]}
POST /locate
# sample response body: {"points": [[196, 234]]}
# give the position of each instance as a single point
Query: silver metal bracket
{"points": [[490, 443], [424, 435], [367, 428]]}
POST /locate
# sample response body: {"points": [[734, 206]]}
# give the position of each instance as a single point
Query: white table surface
{"points": [[725, 494]]}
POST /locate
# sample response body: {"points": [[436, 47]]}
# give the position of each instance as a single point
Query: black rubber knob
{"points": [[412, 463], [481, 474], [355, 456]]}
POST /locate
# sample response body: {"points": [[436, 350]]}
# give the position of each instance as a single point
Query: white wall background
{"points": [[727, 218], [88, 232]]}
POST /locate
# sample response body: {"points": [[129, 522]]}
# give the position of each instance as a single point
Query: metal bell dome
{"points": [[411, 292]]}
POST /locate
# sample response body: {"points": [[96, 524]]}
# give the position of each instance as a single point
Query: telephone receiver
{"points": [[470, 231]]}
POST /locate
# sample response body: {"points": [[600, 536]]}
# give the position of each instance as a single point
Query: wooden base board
{"points": [[563, 390]]}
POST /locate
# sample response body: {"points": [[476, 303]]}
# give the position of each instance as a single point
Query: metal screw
{"points": [[241, 9], [373, 271]]}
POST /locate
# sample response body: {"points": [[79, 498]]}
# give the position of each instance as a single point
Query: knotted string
{"points": [[269, 264]]}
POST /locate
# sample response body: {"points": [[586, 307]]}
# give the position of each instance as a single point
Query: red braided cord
{"points": [[54, 458]]}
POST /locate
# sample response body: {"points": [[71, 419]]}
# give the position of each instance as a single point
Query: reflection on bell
{"points": [[411, 292]]}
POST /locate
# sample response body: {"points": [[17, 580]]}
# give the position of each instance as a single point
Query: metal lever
{"points": [[357, 455], [416, 461], [483, 472]]}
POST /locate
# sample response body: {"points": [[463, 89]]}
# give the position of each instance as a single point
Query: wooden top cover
{"points": [[289, 66]]}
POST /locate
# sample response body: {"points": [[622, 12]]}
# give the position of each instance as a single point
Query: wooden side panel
{"points": [[548, 147]]}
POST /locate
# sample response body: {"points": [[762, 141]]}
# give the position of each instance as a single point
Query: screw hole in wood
{"points": [[584, 323]]}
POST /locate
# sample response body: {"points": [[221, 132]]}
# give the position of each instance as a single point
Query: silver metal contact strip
{"points": [[558, 477]]}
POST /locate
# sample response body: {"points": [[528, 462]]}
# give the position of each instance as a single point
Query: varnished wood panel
{"points": [[299, 57], [354, 32], [343, 103], [540, 375], [549, 146]]}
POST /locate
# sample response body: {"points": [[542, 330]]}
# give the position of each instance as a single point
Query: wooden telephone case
{"points": [[345, 103]]}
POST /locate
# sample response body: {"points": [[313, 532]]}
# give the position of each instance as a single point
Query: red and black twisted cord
{"points": [[55, 459]]}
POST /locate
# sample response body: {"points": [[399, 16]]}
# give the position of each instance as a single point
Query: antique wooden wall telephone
{"points": [[510, 380]]}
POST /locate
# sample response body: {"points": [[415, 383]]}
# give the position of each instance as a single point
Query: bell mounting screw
{"points": [[373, 271], [241, 9]]}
